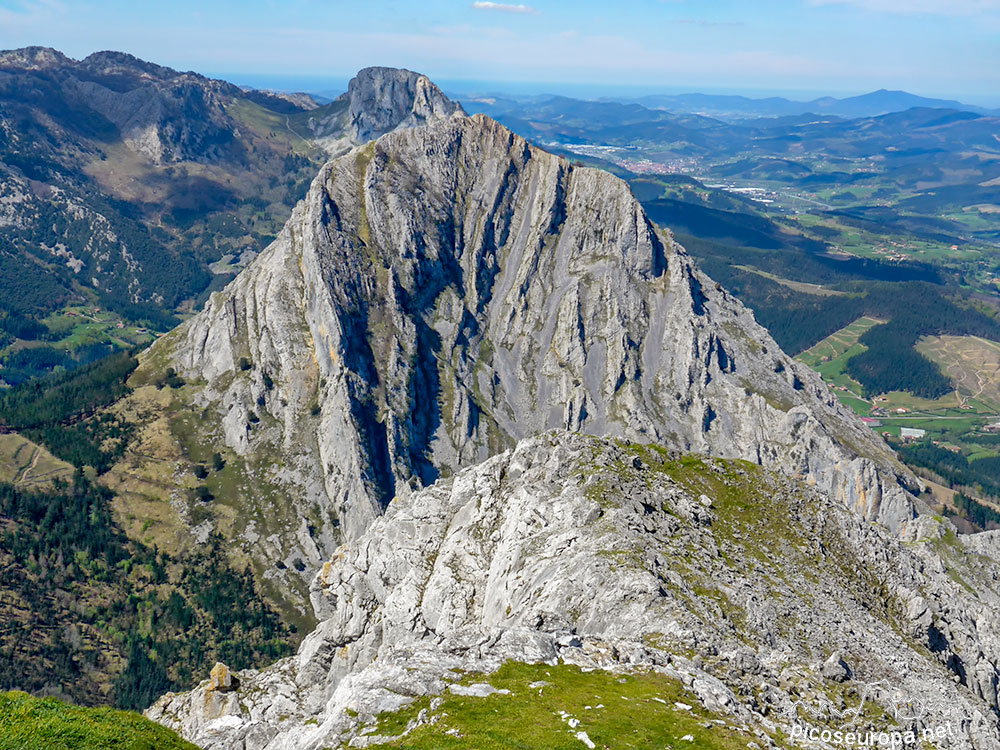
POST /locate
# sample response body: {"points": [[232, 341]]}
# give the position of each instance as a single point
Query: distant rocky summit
{"points": [[378, 101]]}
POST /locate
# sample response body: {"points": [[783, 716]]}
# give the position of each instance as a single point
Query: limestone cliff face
{"points": [[448, 290], [735, 580], [378, 101]]}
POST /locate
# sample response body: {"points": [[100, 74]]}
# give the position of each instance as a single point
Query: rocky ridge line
{"points": [[571, 549]]}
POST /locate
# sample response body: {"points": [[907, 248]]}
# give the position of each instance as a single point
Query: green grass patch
{"points": [[28, 723], [633, 710], [839, 346]]}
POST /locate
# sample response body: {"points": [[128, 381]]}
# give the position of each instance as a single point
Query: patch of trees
{"points": [[59, 411], [981, 474], [21, 326], [59, 397], [70, 519], [171, 379], [166, 618], [893, 364], [915, 310], [24, 364], [28, 287], [970, 509], [142, 313], [214, 613]]}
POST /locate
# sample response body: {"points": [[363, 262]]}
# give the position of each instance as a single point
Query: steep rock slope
{"points": [[378, 101], [446, 291], [774, 604]]}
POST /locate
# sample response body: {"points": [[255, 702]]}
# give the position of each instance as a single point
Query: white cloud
{"points": [[935, 7], [505, 7]]}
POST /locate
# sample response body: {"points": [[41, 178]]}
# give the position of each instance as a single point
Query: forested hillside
{"points": [[107, 204], [87, 612]]}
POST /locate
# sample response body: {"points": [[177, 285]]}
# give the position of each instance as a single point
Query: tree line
{"points": [[982, 474]]}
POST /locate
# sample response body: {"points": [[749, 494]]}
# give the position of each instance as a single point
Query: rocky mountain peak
{"points": [[110, 63], [379, 101], [446, 291], [33, 58], [383, 99]]}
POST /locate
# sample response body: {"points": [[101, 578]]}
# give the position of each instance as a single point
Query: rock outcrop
{"points": [[446, 291], [379, 101], [735, 580]]}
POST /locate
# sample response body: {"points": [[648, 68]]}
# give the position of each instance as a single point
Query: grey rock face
{"points": [[32, 58], [735, 580], [379, 101], [387, 99], [449, 290]]}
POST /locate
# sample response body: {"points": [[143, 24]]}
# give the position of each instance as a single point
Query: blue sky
{"points": [[801, 47]]}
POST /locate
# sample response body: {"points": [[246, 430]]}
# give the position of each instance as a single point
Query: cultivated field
{"points": [[838, 344], [972, 363]]}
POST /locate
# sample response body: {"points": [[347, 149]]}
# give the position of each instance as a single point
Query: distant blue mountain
{"points": [[730, 107]]}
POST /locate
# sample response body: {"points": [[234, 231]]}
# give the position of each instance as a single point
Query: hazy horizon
{"points": [[794, 48], [326, 85]]}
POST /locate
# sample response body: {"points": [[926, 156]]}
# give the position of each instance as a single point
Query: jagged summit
{"points": [[111, 63], [384, 99], [377, 101], [448, 290], [104, 63]]}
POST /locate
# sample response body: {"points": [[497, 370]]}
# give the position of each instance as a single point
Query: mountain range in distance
{"points": [[734, 107], [725, 106]]}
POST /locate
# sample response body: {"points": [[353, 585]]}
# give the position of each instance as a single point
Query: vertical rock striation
{"points": [[448, 290]]}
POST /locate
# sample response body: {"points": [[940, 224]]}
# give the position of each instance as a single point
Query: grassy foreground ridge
{"points": [[28, 723]]}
